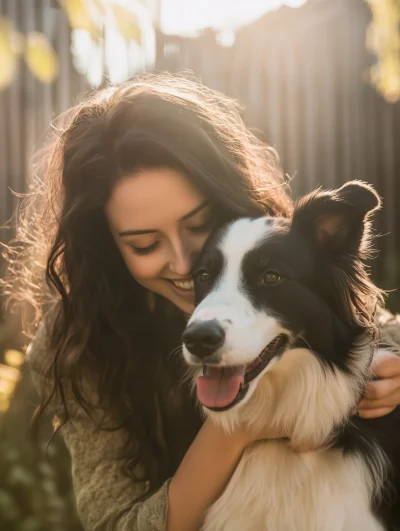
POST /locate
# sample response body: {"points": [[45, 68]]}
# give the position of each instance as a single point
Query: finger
{"points": [[385, 364], [374, 413], [392, 400], [382, 388]]}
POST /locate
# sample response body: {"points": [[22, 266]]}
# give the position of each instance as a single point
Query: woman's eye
{"points": [[143, 251], [204, 227], [202, 276], [270, 277]]}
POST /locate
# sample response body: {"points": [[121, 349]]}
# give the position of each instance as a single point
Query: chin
{"points": [[185, 306]]}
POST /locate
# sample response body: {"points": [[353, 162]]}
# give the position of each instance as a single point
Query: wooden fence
{"points": [[27, 107], [300, 74]]}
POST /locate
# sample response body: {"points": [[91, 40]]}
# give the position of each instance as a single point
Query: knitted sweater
{"points": [[106, 498]]}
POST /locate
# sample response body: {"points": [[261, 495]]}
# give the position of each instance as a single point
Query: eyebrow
{"points": [[150, 231]]}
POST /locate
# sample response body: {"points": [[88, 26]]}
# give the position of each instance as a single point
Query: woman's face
{"points": [[160, 223]]}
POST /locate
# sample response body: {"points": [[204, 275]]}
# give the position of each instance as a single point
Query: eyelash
{"points": [[202, 228], [144, 251]]}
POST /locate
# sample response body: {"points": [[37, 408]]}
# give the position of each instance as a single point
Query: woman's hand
{"points": [[382, 396]]}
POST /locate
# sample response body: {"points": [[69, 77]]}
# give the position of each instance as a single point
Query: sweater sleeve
{"points": [[105, 496]]}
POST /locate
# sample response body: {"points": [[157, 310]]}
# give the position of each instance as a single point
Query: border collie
{"points": [[283, 335]]}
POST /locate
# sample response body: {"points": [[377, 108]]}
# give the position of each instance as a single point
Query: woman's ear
{"points": [[337, 220]]}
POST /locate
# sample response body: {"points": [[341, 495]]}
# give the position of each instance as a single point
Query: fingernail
{"points": [[355, 412]]}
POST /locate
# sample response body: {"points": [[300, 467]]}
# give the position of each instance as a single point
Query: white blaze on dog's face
{"points": [[248, 329], [267, 287], [230, 315]]}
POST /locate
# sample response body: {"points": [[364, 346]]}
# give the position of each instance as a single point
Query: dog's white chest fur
{"points": [[274, 489]]}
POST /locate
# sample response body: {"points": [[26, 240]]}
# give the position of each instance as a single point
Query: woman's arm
{"points": [[106, 498], [202, 476]]}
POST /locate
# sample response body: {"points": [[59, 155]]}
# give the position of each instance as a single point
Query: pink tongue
{"points": [[220, 386]]}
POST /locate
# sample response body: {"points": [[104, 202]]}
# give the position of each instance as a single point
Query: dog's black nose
{"points": [[203, 338]]}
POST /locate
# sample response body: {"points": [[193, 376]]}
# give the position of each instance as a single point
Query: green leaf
{"points": [[20, 477], [31, 523]]}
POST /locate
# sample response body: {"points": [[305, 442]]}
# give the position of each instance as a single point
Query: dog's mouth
{"points": [[221, 388]]}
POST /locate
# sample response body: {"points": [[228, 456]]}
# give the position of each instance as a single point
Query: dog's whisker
{"points": [[176, 350]]}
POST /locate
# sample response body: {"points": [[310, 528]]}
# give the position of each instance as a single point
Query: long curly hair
{"points": [[103, 327]]}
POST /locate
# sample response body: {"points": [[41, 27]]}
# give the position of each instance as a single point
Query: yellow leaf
{"points": [[100, 7], [14, 358], [383, 39], [80, 16], [9, 374], [10, 47], [127, 23], [40, 57]]}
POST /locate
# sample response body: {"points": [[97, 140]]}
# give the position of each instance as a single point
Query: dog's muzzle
{"points": [[222, 387]]}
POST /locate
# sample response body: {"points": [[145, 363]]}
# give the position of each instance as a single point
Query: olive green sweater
{"points": [[106, 498]]}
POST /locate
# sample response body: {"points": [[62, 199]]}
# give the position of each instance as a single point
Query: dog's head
{"points": [[271, 285]]}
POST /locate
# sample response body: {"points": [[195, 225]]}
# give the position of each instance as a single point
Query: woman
{"points": [[136, 179]]}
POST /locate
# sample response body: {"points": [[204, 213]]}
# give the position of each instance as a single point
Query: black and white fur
{"points": [[320, 303]]}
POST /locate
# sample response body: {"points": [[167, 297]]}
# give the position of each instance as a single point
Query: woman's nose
{"points": [[181, 260]]}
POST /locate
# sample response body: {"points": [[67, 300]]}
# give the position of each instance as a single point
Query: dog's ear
{"points": [[337, 220]]}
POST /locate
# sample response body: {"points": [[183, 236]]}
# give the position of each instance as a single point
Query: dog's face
{"points": [[265, 286]]}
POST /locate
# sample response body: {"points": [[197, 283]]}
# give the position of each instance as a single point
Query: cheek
{"points": [[196, 244], [201, 241], [142, 267]]}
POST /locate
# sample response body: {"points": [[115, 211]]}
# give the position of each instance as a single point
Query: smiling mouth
{"points": [[221, 388], [184, 285]]}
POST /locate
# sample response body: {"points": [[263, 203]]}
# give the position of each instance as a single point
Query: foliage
{"points": [[92, 15], [35, 495], [98, 18], [35, 481], [383, 39], [35, 48]]}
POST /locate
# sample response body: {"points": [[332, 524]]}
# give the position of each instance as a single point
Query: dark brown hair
{"points": [[103, 328]]}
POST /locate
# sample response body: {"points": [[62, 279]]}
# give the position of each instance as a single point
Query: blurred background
{"points": [[319, 80]]}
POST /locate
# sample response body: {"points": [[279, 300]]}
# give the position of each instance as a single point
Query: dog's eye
{"points": [[202, 276], [270, 277]]}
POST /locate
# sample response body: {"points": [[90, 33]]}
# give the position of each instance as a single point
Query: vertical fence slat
{"points": [[4, 156], [64, 80], [13, 110], [391, 203], [30, 91], [47, 16]]}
